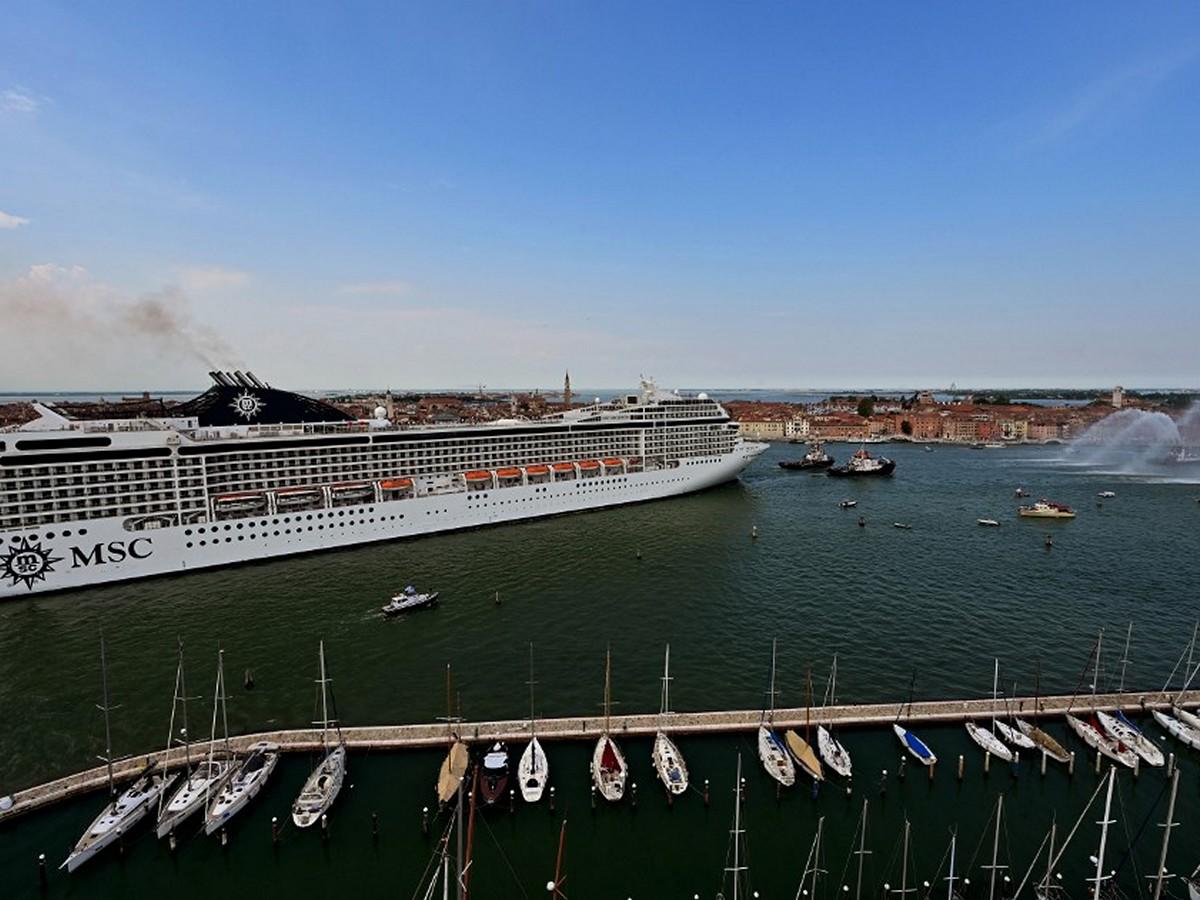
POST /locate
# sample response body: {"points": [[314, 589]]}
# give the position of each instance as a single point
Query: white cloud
{"points": [[393, 288], [20, 100], [211, 278], [8, 222]]}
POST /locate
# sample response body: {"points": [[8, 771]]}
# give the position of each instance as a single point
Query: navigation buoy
{"points": [[754, 532]]}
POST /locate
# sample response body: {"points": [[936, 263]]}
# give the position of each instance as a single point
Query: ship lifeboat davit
{"points": [[478, 479], [589, 467]]}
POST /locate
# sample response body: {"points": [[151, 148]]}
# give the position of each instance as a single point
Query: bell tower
{"points": [[567, 395]]}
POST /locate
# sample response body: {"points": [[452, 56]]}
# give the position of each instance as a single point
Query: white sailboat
{"points": [[771, 750], [987, 739], [533, 770], [248, 777], [831, 749], [1090, 732], [1012, 734], [609, 770], [916, 747], [124, 810], [209, 774], [323, 785], [668, 761], [1119, 726], [1178, 730]]}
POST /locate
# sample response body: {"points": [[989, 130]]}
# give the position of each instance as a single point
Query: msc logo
{"points": [[112, 552], [26, 562]]}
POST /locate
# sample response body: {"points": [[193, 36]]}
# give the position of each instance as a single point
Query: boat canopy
{"points": [[608, 759]]}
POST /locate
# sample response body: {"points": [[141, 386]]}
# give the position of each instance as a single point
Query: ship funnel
{"points": [[256, 381]]}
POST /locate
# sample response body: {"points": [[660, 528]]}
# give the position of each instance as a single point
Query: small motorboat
{"points": [[1046, 509], [1105, 495], [848, 504], [928, 449], [1020, 492], [902, 525], [989, 523], [493, 779], [408, 600]]}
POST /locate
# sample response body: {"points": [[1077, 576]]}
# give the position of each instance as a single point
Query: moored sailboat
{"points": [[668, 761], [124, 810], [248, 777], [771, 750], [832, 751], [458, 758], [533, 770], [609, 770], [325, 782], [916, 747], [207, 777], [987, 739], [801, 750]]}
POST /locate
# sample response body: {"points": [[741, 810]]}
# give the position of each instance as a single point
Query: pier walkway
{"points": [[398, 737]]}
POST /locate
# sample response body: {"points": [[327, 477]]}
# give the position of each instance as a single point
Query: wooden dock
{"points": [[399, 737]]}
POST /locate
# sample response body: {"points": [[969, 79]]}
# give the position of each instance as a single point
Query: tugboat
{"points": [[409, 599], [863, 463], [494, 778], [1045, 509], [815, 458], [1182, 456]]}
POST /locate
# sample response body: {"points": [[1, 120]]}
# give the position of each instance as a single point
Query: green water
{"points": [[942, 598]]}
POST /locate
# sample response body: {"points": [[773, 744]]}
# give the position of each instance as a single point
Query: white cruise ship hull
{"points": [[100, 550]]}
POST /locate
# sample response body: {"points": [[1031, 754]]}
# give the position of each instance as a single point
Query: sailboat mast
{"points": [[559, 878], [1096, 675], [1099, 879], [531, 718], [862, 851], [817, 856], [1125, 657], [995, 848], [771, 693], [950, 877], [221, 692], [324, 699], [808, 710], [665, 705], [107, 726], [607, 686], [904, 863], [1161, 874], [1049, 859], [737, 826], [187, 741], [995, 690]]}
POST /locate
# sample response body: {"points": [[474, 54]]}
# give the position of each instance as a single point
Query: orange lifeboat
{"points": [[478, 475], [508, 473], [589, 464], [564, 467], [612, 463], [396, 484], [536, 470]]}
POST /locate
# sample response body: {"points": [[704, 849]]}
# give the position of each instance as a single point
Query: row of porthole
{"points": [[286, 521], [299, 530], [50, 535]]}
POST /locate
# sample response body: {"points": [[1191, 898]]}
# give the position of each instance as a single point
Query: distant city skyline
{"points": [[746, 197]]}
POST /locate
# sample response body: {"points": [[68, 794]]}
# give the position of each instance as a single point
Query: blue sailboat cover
{"points": [[917, 745]]}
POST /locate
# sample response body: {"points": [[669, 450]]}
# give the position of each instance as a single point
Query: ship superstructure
{"points": [[246, 471]]}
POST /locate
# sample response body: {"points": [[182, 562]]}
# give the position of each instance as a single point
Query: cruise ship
{"points": [[245, 471]]}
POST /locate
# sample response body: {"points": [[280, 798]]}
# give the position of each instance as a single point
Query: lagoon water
{"points": [[940, 600]]}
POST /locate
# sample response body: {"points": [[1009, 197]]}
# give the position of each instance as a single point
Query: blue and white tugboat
{"points": [[862, 463], [408, 600]]}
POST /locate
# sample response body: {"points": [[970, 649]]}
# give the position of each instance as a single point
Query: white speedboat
{"points": [[1091, 735], [323, 785], [988, 523], [1105, 495], [408, 600], [533, 771], [244, 785], [1119, 727], [1178, 730], [1045, 509], [118, 817]]}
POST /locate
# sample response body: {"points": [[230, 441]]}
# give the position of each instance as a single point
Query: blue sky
{"points": [[738, 194]]}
